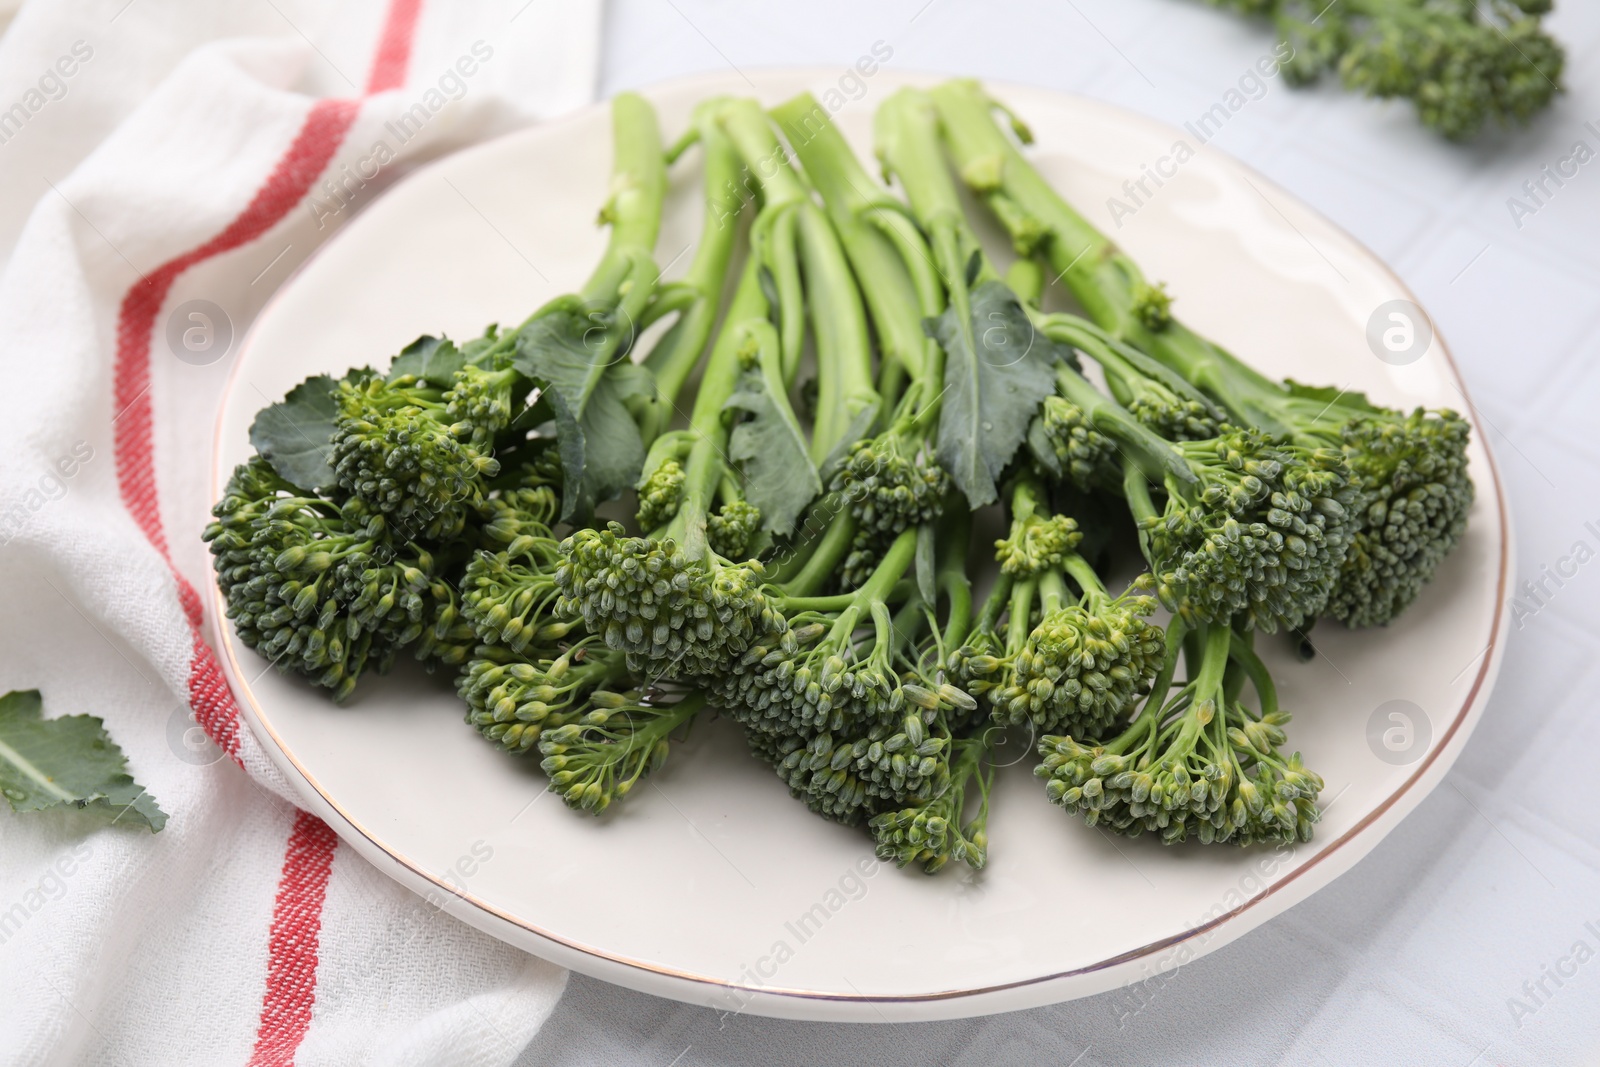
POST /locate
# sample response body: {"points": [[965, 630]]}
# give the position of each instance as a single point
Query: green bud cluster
{"points": [[932, 831], [660, 495], [393, 450], [1263, 539], [1085, 456], [510, 598], [323, 590], [901, 757], [680, 617], [517, 520], [1465, 65], [1082, 668], [1246, 794], [881, 766], [513, 697], [980, 666], [891, 482], [1037, 545], [1200, 764], [1152, 306], [732, 530], [481, 403], [601, 756], [1415, 494], [802, 685]]}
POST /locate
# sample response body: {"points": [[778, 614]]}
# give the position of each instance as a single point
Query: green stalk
{"points": [[824, 560], [952, 579], [907, 136], [1102, 278], [900, 289], [991, 164], [1019, 624], [1082, 573], [876, 589], [625, 278], [772, 235], [1053, 594], [708, 431], [675, 356], [845, 392]]}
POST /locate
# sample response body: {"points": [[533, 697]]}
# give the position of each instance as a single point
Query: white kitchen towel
{"points": [[164, 165]]}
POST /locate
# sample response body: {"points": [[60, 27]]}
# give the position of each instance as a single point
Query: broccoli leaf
{"points": [[433, 359], [927, 564], [1331, 395], [294, 434], [571, 351], [996, 372], [69, 760], [770, 448]]}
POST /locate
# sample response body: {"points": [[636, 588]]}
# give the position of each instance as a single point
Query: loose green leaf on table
{"points": [[67, 760]]}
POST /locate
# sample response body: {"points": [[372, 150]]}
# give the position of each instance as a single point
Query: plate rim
{"points": [[657, 979]]}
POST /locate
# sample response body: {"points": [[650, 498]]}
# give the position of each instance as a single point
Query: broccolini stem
{"points": [[708, 431], [877, 589], [1260, 678], [995, 605], [825, 558], [772, 235], [1053, 593], [907, 135], [1102, 278], [1020, 622], [952, 579], [991, 164], [638, 184], [675, 356], [900, 290], [845, 389]]}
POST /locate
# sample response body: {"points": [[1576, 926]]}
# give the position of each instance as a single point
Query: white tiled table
{"points": [[1412, 957]]}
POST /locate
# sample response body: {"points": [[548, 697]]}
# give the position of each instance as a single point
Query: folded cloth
{"points": [[164, 164]]}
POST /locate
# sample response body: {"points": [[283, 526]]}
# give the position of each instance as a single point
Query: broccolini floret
{"points": [[1409, 470], [669, 600], [1061, 661], [323, 589], [1196, 762], [1465, 64]]}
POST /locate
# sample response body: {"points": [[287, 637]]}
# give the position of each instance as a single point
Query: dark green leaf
{"points": [[571, 351], [1330, 395], [433, 359], [997, 370], [927, 564], [69, 760], [473, 351], [294, 434], [770, 448], [612, 450]]}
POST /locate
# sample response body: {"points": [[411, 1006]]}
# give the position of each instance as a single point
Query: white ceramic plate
{"points": [[710, 884]]}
